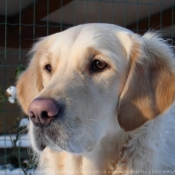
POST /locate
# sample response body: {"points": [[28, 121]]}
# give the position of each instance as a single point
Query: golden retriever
{"points": [[98, 97]]}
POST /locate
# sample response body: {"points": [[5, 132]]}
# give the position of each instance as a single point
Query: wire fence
{"points": [[22, 22]]}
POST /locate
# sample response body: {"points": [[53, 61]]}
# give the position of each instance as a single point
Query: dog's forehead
{"points": [[79, 36], [87, 35]]}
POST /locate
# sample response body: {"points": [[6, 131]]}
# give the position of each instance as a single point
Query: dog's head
{"points": [[82, 82]]}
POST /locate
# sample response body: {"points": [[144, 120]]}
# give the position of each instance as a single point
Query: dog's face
{"points": [[84, 72]]}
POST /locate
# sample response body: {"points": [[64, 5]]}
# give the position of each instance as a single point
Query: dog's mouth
{"points": [[45, 137], [62, 136], [39, 138], [41, 146], [55, 136]]}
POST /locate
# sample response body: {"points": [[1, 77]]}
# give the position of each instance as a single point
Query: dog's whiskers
{"points": [[98, 146], [95, 121]]}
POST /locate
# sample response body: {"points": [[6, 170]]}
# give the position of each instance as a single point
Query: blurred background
{"points": [[22, 22]]}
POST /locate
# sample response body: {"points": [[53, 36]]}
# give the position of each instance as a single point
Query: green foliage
{"points": [[24, 159], [16, 156], [3, 98], [19, 70]]}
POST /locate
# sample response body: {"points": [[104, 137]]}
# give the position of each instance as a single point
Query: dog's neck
{"points": [[101, 160], [98, 161]]}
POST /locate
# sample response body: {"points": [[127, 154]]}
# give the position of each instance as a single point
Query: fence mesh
{"points": [[22, 22]]}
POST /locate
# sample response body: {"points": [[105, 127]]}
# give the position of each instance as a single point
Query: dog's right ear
{"points": [[149, 89], [29, 84]]}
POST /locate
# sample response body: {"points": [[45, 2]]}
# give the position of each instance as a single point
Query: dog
{"points": [[100, 101]]}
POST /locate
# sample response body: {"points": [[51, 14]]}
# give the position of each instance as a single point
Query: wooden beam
{"points": [[27, 37], [157, 21], [2, 19], [30, 33], [42, 9]]}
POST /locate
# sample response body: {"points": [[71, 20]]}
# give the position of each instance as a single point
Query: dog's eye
{"points": [[48, 68], [98, 65]]}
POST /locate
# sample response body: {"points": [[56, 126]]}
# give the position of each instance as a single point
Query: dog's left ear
{"points": [[150, 86], [29, 84]]}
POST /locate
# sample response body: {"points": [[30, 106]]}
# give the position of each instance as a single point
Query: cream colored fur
{"points": [[120, 116]]}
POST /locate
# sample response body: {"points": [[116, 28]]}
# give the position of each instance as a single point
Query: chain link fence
{"points": [[22, 22]]}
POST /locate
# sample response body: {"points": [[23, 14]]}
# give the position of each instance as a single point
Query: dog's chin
{"points": [[73, 149], [39, 146], [78, 147], [61, 139], [76, 151]]}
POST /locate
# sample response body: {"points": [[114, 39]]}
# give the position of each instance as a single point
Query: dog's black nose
{"points": [[42, 111]]}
